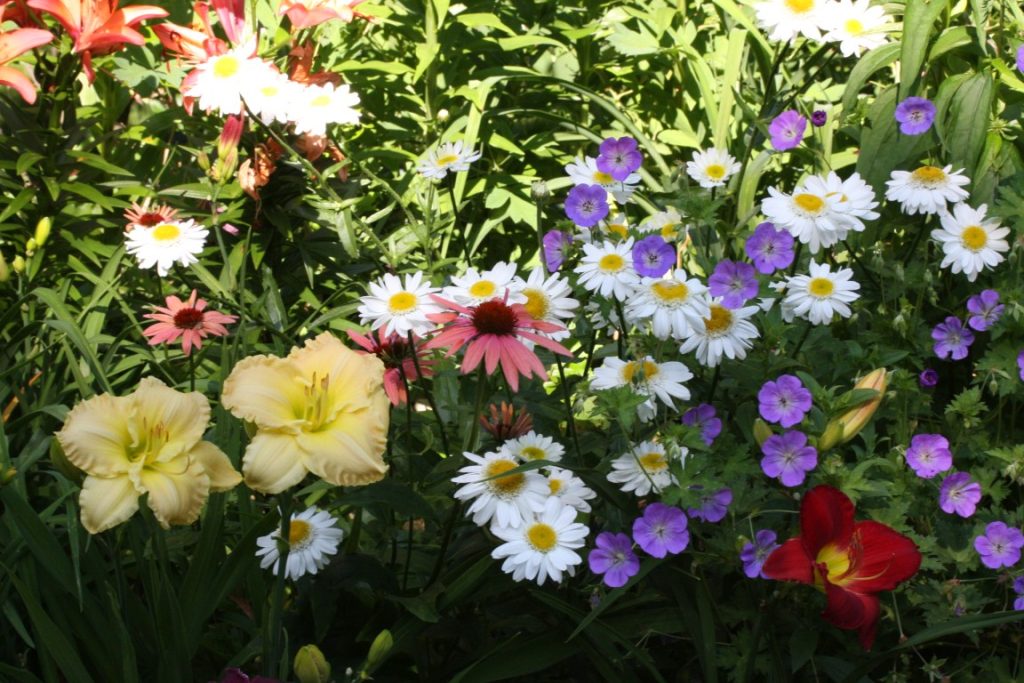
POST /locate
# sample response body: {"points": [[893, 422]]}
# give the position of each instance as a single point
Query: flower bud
{"points": [[848, 425], [43, 230], [762, 431], [442, 114], [311, 666], [227, 149], [18, 264], [539, 191], [7, 476], [31, 246], [5, 272], [379, 650]]}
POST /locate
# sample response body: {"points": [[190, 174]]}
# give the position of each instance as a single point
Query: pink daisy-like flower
{"points": [[186, 319], [393, 350], [493, 332]]}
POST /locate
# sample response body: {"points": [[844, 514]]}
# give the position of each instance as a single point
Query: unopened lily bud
{"points": [[311, 666], [5, 272], [31, 246], [227, 149], [18, 264], [442, 114], [380, 648], [762, 432], [853, 420], [43, 230]]}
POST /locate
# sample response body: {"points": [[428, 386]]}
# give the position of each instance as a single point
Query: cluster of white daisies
{"points": [[856, 25]]}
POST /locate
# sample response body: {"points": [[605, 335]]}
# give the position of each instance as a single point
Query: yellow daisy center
{"points": [[649, 369], [536, 303], [508, 485], [619, 229], [670, 292], [653, 461], [974, 237], [715, 171], [542, 537], [611, 263], [854, 27], [402, 302], [602, 178], [800, 6], [811, 203], [821, 287], [554, 485], [226, 67], [720, 320], [269, 90], [929, 175], [166, 232], [482, 289], [298, 531], [447, 159], [320, 101], [532, 453], [669, 231]]}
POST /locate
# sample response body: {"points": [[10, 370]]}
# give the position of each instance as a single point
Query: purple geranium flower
{"points": [[1000, 545], [1018, 588], [818, 118], [619, 157], [556, 249], [613, 558], [959, 494], [704, 418], [713, 506], [915, 115], [661, 530], [1020, 58], [734, 281], [754, 554], [586, 205], [1020, 365], [788, 458], [928, 378], [986, 309], [653, 256], [951, 337], [929, 454], [770, 249], [787, 129], [785, 401]]}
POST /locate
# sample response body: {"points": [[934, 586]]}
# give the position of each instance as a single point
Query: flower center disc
{"points": [[320, 101], [402, 302], [536, 303], [836, 561], [508, 485], [532, 453], [611, 263], [269, 90], [670, 292], [298, 531], [554, 486], [166, 232], [447, 160], [482, 289], [929, 175], [821, 287], [653, 462], [618, 229], [974, 237], [649, 369], [854, 27], [542, 537], [719, 322], [800, 6], [226, 67], [602, 178], [811, 203], [494, 317], [188, 318], [715, 171]]}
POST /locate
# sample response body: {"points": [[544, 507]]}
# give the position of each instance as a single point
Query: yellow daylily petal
{"points": [[106, 503], [267, 391], [222, 474], [272, 463], [350, 451], [177, 490], [96, 436], [183, 416], [353, 377]]}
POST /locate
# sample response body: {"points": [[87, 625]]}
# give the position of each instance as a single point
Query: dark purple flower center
{"points": [[188, 318], [495, 317]]}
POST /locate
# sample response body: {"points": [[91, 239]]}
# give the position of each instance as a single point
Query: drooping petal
{"points": [[273, 462], [107, 502], [885, 559], [848, 610], [177, 490], [20, 82], [789, 562], [183, 416], [267, 391], [67, 13], [826, 516], [222, 474], [96, 435], [350, 450], [20, 41]]}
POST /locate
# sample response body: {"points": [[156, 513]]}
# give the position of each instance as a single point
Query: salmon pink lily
{"points": [[13, 44], [850, 561]]}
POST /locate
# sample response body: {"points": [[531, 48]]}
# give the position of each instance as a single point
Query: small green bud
{"points": [[43, 230], [5, 272], [540, 191], [31, 246], [762, 432], [311, 666], [18, 264], [380, 649], [7, 476]]}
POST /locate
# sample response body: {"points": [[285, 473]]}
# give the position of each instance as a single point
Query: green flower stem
{"points": [[272, 638], [567, 399], [430, 395], [457, 221]]}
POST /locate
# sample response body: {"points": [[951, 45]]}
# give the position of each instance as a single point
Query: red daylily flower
{"points": [[96, 26], [850, 561], [15, 43]]}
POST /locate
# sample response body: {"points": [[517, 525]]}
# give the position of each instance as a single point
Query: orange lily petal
{"points": [[20, 41], [20, 82]]}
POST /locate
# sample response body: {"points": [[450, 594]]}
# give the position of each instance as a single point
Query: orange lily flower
{"points": [[96, 26], [309, 13], [15, 43]]}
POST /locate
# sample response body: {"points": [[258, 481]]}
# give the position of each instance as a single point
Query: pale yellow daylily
{"points": [[321, 409], [149, 441]]}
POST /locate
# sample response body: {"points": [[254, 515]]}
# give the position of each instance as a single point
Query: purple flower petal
{"points": [[915, 115], [787, 130]]}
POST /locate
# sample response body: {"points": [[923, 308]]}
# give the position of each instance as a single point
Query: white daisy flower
{"points": [[856, 197], [313, 537], [927, 189], [505, 501], [585, 172], [810, 214], [548, 300], [667, 223], [856, 26], [712, 167], [271, 95], [672, 304], [544, 547], [449, 157], [218, 83], [317, 106], [569, 488], [607, 269], [165, 244], [819, 296], [645, 468], [969, 242], [725, 332], [475, 287], [786, 19], [647, 377], [533, 446], [399, 308]]}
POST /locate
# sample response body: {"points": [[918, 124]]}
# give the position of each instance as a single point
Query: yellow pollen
{"points": [[542, 537], [836, 561], [650, 369], [447, 160], [166, 232], [536, 303], [720, 320], [298, 531], [611, 263], [532, 453], [854, 27], [320, 101], [811, 203], [269, 90], [820, 287], [226, 67], [482, 289], [508, 485], [554, 486], [715, 171], [602, 178], [669, 291], [929, 175], [618, 229], [653, 462], [402, 302], [800, 6], [974, 238]]}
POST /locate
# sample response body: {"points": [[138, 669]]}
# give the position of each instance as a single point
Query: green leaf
{"points": [[864, 69], [918, 24], [962, 126]]}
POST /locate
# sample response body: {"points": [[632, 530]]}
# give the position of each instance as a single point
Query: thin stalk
{"points": [[191, 372], [803, 338], [456, 220], [272, 638], [430, 396], [624, 336], [571, 421], [714, 382]]}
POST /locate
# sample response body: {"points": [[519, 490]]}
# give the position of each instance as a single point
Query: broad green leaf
{"points": [[918, 25]]}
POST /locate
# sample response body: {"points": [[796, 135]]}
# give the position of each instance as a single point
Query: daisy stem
{"points": [[624, 336], [272, 639], [856, 259], [463, 238], [191, 372], [803, 338], [540, 238], [714, 382], [481, 388], [430, 395], [571, 424]]}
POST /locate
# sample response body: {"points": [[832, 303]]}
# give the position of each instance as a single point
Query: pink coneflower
{"points": [[146, 216], [506, 422], [493, 332], [188, 320], [393, 350]]}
